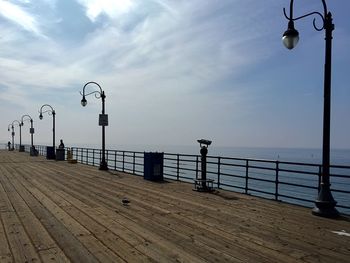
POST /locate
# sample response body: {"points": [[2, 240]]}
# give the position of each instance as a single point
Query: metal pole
{"points": [[204, 152], [13, 137], [325, 203], [31, 135], [20, 137], [103, 165], [53, 129]]}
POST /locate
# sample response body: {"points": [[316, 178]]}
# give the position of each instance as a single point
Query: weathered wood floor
{"points": [[59, 212]]}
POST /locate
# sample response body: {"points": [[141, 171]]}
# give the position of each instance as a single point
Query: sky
{"points": [[173, 71]]}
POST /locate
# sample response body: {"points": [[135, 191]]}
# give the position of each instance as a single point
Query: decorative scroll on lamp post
{"points": [[325, 203]]}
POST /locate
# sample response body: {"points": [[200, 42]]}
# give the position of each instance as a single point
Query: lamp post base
{"points": [[103, 166], [325, 204]]}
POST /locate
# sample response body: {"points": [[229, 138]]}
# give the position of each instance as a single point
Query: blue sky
{"points": [[173, 71]]}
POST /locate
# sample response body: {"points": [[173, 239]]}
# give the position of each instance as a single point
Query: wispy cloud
{"points": [[111, 8], [17, 15]]}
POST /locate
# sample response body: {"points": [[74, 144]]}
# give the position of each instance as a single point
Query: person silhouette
{"points": [[61, 146]]}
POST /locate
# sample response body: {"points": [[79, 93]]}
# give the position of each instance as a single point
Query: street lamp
{"points": [[13, 133], [325, 203], [103, 118], [31, 130], [50, 111]]}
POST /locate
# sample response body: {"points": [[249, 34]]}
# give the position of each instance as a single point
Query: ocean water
{"points": [[338, 156]]}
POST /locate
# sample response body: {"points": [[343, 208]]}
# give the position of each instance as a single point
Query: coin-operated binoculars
{"points": [[203, 184]]}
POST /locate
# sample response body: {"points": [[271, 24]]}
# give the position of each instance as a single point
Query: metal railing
{"points": [[292, 182]]}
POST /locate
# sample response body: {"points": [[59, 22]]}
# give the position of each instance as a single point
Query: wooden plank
{"points": [[20, 244], [150, 251], [5, 252], [71, 246], [90, 242], [38, 235], [201, 248]]}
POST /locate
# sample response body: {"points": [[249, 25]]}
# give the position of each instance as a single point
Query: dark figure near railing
{"points": [[61, 146], [9, 145]]}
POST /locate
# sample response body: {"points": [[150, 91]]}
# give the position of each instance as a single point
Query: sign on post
{"points": [[31, 130], [103, 120]]}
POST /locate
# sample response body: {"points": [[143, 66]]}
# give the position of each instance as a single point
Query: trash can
{"points": [[60, 154], [21, 148], [153, 166], [50, 153]]}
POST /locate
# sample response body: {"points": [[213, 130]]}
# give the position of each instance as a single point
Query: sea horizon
{"points": [[339, 156]]}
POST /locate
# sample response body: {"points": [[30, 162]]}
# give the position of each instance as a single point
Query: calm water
{"points": [[338, 156]]}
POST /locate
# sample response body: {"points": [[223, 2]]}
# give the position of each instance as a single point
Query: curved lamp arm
{"points": [[28, 119], [98, 94], [50, 111], [291, 35], [18, 122]]}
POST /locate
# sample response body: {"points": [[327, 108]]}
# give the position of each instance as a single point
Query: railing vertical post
{"points": [[197, 167], [81, 155], [107, 157], [87, 156], [123, 160], [219, 170], [178, 167], [277, 180], [100, 155], [319, 178], [115, 160], [133, 164], [93, 157], [246, 176]]}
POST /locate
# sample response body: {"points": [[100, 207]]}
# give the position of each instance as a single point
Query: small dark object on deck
{"points": [[125, 201]]}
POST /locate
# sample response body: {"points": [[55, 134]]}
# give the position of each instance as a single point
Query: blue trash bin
{"points": [[153, 166], [60, 154], [50, 153]]}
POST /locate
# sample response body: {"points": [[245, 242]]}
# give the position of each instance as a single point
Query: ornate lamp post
{"points": [[50, 111], [325, 203], [103, 118], [31, 130], [13, 133]]}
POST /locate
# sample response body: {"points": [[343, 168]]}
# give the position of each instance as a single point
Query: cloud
{"points": [[17, 15], [111, 8]]}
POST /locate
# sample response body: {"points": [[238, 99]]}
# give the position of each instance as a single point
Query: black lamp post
{"points": [[31, 130], [13, 133], [103, 118], [52, 112], [325, 203]]}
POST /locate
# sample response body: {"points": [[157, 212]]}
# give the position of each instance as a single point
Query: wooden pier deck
{"points": [[59, 212]]}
